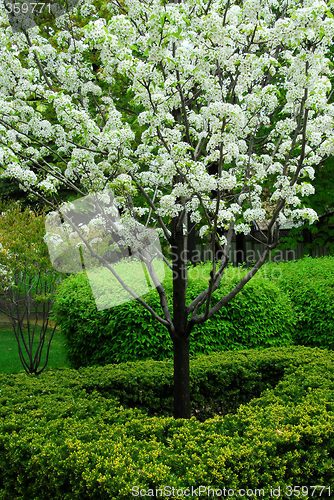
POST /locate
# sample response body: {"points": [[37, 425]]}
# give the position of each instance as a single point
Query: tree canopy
{"points": [[216, 111]]}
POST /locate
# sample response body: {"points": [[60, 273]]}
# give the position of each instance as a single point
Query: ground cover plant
{"points": [[66, 435]]}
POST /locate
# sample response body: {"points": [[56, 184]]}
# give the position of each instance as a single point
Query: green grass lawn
{"points": [[9, 354]]}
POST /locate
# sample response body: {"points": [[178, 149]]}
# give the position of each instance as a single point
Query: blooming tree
{"points": [[228, 112]]}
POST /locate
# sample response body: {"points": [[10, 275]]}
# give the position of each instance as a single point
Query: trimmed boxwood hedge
{"points": [[65, 435], [218, 382], [310, 286], [261, 315]]}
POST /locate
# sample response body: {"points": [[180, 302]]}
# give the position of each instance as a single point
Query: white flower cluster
{"points": [[254, 214], [288, 192], [83, 227], [305, 189], [50, 184], [99, 222], [200, 180], [25, 175], [227, 181], [168, 206], [7, 277], [55, 239], [95, 240], [307, 214], [242, 228], [203, 230], [200, 102], [66, 207], [124, 181]]}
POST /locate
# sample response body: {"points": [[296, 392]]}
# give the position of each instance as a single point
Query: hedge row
{"points": [[61, 438], [284, 304], [310, 286], [218, 383], [261, 315]]}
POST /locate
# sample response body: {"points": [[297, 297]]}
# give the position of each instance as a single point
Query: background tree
{"points": [[28, 283], [231, 97]]}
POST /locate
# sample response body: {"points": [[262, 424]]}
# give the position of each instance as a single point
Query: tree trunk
{"points": [[191, 241], [240, 249], [181, 378], [180, 334]]}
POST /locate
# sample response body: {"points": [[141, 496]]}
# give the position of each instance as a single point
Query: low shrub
{"points": [[219, 382], [61, 438], [259, 316]]}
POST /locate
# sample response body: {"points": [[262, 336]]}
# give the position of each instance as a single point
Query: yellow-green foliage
{"points": [[22, 247], [62, 438]]}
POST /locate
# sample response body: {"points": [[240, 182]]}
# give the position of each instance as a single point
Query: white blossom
{"points": [[201, 101]]}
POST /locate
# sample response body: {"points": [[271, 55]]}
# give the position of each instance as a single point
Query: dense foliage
{"points": [[287, 303], [310, 285], [260, 316], [230, 111], [28, 282], [321, 233], [66, 436]]}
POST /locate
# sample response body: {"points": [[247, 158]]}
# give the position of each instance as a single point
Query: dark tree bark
{"points": [[191, 242], [181, 332], [240, 249], [181, 377]]}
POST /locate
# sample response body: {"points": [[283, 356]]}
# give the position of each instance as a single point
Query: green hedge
{"points": [[148, 385], [61, 438], [310, 286], [260, 316]]}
